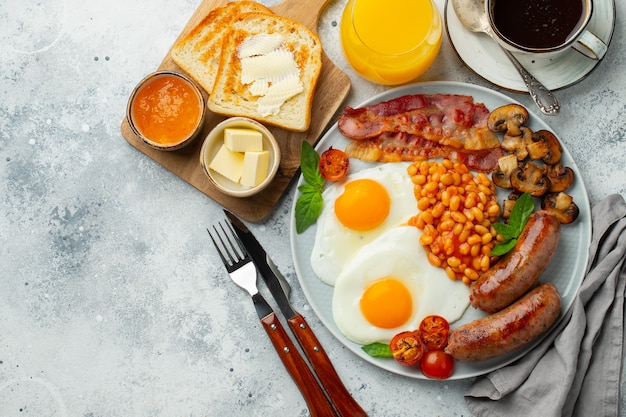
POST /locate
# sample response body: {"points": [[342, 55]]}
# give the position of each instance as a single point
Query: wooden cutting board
{"points": [[332, 88]]}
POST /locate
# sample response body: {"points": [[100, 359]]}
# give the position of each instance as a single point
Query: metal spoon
{"points": [[473, 16]]}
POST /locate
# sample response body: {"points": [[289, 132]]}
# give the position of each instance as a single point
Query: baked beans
{"points": [[456, 214]]}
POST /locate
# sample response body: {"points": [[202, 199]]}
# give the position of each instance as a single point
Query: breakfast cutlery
{"points": [[243, 272], [473, 16], [345, 404]]}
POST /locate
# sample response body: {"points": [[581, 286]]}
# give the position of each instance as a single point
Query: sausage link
{"points": [[509, 329], [519, 270]]}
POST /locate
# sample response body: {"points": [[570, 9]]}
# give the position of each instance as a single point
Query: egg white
{"points": [[335, 244], [396, 253]]}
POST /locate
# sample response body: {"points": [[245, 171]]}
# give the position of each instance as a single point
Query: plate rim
{"points": [[490, 365]]}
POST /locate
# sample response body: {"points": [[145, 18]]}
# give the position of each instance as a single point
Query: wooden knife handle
{"points": [[345, 404], [318, 404]]}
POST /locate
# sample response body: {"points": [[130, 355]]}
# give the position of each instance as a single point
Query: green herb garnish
{"points": [[523, 208], [310, 203], [377, 349]]}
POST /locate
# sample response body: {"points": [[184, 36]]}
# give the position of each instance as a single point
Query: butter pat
{"points": [[228, 163], [255, 166], [243, 140]]}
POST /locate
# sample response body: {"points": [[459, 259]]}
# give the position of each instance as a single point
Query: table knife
{"points": [[244, 273], [344, 403]]}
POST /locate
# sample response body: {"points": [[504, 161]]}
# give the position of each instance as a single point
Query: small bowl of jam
{"points": [[166, 110]]}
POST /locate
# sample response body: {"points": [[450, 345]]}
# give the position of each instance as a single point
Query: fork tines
{"points": [[231, 249]]}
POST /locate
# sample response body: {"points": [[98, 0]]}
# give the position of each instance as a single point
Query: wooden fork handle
{"points": [[345, 404], [319, 405]]}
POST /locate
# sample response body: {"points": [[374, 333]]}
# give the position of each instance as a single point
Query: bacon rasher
{"points": [[400, 146], [422, 126]]}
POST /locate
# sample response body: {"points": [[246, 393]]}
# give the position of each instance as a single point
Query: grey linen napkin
{"points": [[575, 371]]}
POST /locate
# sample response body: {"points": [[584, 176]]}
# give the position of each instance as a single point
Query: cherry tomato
{"points": [[434, 332], [437, 364], [407, 348], [334, 164]]}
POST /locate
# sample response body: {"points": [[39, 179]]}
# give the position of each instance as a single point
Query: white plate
{"points": [[482, 55], [566, 270]]}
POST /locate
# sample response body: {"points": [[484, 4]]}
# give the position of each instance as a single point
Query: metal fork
{"points": [[243, 272]]}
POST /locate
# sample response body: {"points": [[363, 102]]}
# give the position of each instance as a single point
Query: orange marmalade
{"points": [[166, 109]]}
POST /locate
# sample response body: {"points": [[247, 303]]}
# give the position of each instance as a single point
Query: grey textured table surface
{"points": [[112, 301]]}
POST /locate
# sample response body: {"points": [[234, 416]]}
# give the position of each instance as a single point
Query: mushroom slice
{"points": [[508, 119], [562, 206], [561, 178], [507, 205], [537, 148], [545, 146], [531, 179], [517, 144], [502, 175]]}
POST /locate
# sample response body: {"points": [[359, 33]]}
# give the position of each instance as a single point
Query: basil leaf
{"points": [[521, 211], [309, 188], [523, 208], [310, 203], [377, 349], [308, 208], [506, 230], [504, 247], [309, 164]]}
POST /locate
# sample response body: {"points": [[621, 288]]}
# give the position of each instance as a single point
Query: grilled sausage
{"points": [[519, 270], [509, 329]]}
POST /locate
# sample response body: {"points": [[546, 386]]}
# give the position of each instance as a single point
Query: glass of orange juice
{"points": [[391, 42]]}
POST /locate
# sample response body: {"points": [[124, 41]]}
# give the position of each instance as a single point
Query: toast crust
{"points": [[198, 52]]}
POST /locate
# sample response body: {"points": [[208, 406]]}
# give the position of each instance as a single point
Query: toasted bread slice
{"points": [[198, 52], [230, 96]]}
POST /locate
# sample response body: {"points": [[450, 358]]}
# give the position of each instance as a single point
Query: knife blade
{"points": [[343, 401]]}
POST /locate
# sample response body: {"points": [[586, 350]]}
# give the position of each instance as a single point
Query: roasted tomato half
{"points": [[434, 331], [406, 348], [437, 364], [334, 164]]}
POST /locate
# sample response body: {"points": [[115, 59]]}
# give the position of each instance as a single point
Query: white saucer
{"points": [[482, 55]]}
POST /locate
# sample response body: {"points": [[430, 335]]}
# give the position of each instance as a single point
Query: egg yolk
{"points": [[386, 303], [363, 205]]}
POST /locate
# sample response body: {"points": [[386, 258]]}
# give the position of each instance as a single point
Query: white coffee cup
{"points": [[524, 27]]}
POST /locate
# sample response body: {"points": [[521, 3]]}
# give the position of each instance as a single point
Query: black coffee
{"points": [[537, 23]]}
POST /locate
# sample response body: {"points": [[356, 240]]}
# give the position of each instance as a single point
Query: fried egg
{"points": [[356, 211], [389, 286]]}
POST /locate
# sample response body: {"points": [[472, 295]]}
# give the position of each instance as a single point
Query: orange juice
{"points": [[391, 42]]}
